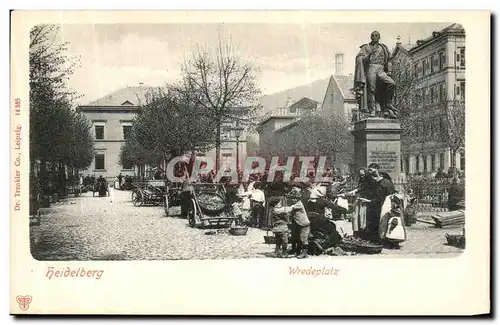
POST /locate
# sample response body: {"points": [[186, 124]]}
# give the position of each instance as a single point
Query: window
{"points": [[225, 133], [128, 165], [435, 94], [460, 59], [417, 164], [99, 132], [441, 160], [433, 162], [442, 60], [99, 162], [431, 95], [407, 165], [424, 66], [442, 128], [460, 90], [442, 93], [425, 163], [226, 160], [126, 132], [435, 63], [415, 69], [426, 97], [462, 160]]}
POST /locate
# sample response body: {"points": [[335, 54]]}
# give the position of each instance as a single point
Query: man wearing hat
{"points": [[300, 224]]}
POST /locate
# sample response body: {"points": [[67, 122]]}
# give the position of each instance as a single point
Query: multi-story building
{"points": [[333, 97], [438, 67], [111, 117]]}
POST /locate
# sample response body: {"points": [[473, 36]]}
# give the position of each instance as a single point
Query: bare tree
{"points": [[452, 127], [223, 84], [316, 136]]}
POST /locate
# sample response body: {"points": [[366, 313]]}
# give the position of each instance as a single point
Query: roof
{"points": [[304, 103], [276, 117], [128, 96], [406, 47], [454, 28], [345, 83], [315, 90]]}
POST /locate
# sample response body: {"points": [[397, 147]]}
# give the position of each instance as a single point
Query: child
{"points": [[280, 229], [300, 223]]}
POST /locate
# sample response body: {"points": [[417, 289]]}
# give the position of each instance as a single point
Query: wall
{"points": [[450, 76], [333, 103], [111, 145]]}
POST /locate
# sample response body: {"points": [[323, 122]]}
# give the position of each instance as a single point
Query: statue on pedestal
{"points": [[373, 84]]}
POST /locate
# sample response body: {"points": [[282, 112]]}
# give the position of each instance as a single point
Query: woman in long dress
{"points": [[364, 192]]}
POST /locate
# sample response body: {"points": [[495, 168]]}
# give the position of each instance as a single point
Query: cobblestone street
{"points": [[111, 228]]}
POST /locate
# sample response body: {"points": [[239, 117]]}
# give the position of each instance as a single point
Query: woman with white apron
{"points": [[363, 194]]}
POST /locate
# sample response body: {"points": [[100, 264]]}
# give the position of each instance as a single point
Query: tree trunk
{"points": [[217, 145], [453, 154]]}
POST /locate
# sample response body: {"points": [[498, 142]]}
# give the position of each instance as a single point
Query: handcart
{"points": [[147, 194], [209, 207], [173, 193]]}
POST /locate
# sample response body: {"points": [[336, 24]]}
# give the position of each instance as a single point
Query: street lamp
{"points": [[237, 133]]}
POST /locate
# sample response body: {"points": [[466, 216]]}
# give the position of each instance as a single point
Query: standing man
{"points": [[120, 177], [258, 200], [186, 195], [373, 68]]}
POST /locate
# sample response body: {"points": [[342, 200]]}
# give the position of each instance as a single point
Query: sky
{"points": [[113, 56]]}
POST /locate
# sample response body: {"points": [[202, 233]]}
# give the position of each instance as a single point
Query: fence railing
{"points": [[429, 191]]}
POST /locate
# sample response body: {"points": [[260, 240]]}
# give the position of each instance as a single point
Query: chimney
{"points": [[339, 64]]}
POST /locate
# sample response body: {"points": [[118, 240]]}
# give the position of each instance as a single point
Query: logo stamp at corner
{"points": [[24, 302]]}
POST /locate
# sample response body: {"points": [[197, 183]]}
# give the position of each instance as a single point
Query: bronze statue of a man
{"points": [[372, 81]]}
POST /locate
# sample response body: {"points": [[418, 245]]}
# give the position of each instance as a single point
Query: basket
{"points": [[212, 203], [271, 240], [360, 246], [456, 240], [238, 231]]}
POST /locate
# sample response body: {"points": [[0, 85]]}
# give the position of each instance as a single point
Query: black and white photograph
{"points": [[378, 110], [315, 145]]}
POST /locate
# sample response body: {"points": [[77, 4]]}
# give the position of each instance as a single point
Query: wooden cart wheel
{"points": [[193, 214], [137, 199]]}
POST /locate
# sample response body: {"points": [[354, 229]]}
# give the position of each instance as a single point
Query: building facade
{"points": [[438, 66], [111, 118]]}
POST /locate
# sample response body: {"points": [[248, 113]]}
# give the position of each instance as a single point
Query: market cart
{"points": [[209, 207], [173, 193], [147, 194]]}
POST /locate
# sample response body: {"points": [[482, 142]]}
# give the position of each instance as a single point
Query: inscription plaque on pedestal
{"points": [[387, 160], [378, 140]]}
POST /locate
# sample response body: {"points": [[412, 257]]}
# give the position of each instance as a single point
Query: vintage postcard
{"points": [[250, 162]]}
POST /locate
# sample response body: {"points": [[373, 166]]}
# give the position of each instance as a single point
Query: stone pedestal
{"points": [[378, 140]]}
